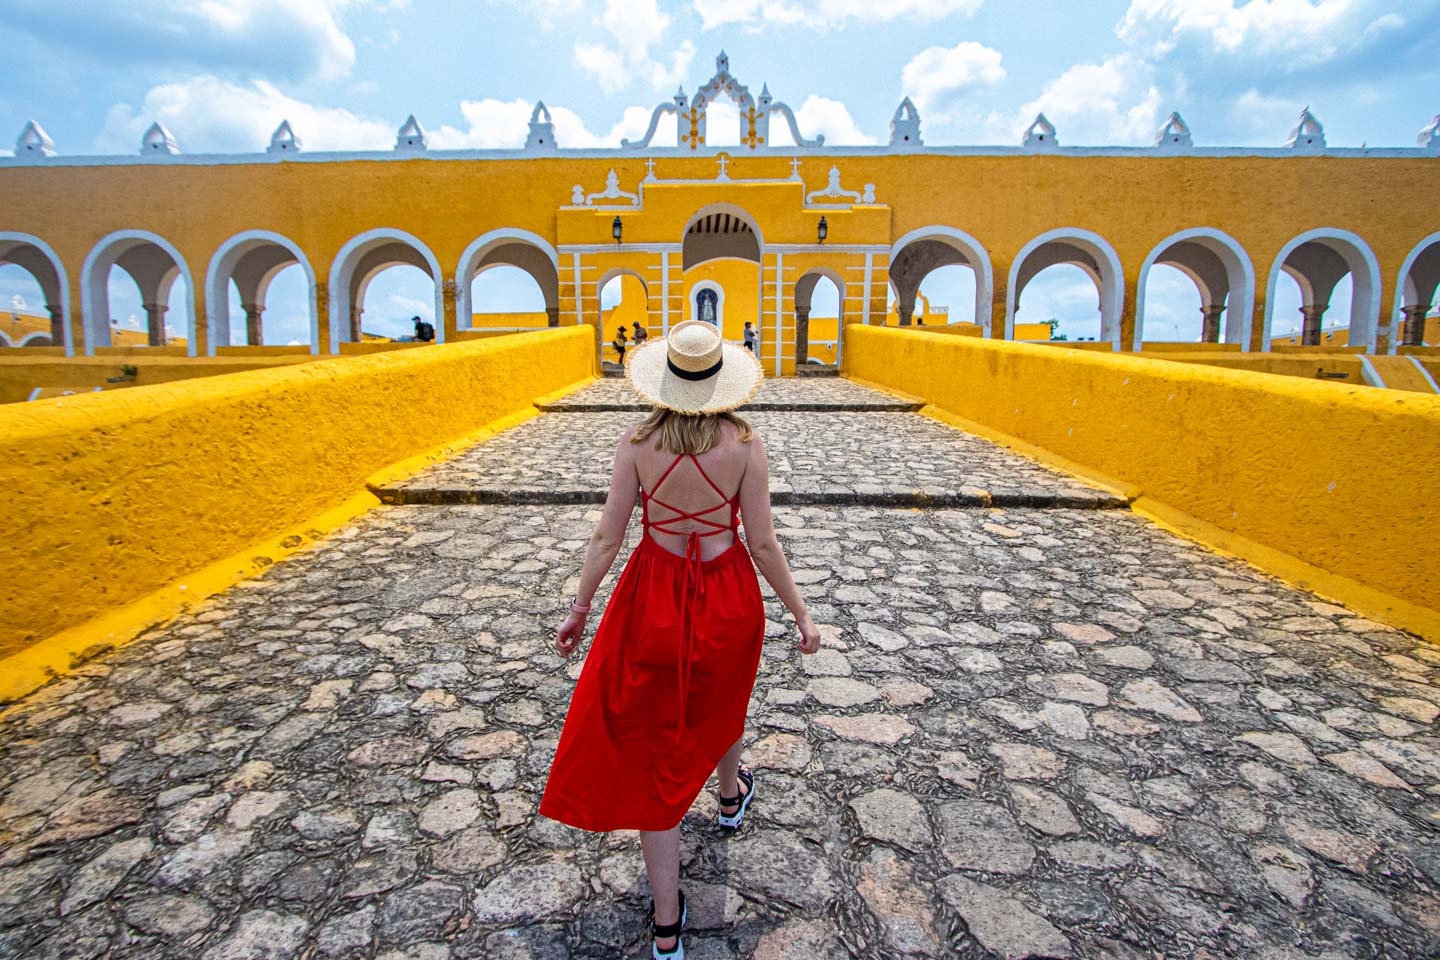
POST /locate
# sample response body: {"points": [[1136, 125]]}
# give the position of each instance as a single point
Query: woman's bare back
{"points": [[687, 491]]}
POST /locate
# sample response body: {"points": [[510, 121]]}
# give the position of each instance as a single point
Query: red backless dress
{"points": [[665, 687]]}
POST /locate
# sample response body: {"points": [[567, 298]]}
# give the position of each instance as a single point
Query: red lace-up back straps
{"points": [[664, 525]]}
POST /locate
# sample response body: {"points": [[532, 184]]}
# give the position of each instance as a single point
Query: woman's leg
{"points": [[662, 863], [728, 770]]}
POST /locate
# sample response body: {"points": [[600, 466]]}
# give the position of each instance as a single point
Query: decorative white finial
{"points": [[34, 142], [411, 137], [905, 126], [157, 141], [722, 63], [1174, 136], [765, 97], [283, 140], [1040, 135], [1308, 135], [542, 130], [1429, 138]]}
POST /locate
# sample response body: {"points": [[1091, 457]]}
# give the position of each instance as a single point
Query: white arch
{"points": [[1364, 279], [1112, 288], [33, 335], [62, 277], [719, 302], [974, 252], [222, 266], [1239, 305], [95, 293], [476, 252], [1401, 288], [734, 211], [343, 270]]}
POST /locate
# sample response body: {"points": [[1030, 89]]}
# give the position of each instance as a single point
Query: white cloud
{"points": [[827, 13], [634, 27], [821, 115], [283, 38], [210, 115], [935, 76], [498, 124], [1114, 101], [1296, 32]]}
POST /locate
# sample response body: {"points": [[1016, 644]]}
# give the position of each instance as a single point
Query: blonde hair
{"points": [[692, 433]]}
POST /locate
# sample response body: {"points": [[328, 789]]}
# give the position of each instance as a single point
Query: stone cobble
{"points": [[787, 393], [887, 459], [1057, 733]]}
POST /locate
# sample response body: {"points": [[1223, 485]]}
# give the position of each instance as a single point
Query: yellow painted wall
{"points": [[1341, 478], [113, 495], [486, 321], [740, 279], [21, 373], [1032, 331], [1285, 365]]}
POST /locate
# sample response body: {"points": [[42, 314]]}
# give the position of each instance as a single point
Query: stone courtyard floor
{"points": [[1032, 731]]}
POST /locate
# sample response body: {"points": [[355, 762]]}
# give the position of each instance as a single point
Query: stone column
{"points": [[57, 326], [254, 335], [1314, 314], [355, 314], [802, 335], [155, 323], [1414, 324], [322, 316], [1210, 324], [448, 325], [552, 316], [906, 311]]}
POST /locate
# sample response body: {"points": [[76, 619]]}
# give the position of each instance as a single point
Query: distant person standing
{"points": [[424, 332], [641, 334], [619, 344], [749, 337]]}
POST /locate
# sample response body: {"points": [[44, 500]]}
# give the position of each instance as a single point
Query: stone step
{"points": [[614, 395], [897, 460]]}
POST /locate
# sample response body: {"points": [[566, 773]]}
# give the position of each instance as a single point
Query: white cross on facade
{"points": [[650, 169], [724, 161], [794, 168]]}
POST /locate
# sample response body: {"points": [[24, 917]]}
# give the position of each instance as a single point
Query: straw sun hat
{"points": [[693, 370]]}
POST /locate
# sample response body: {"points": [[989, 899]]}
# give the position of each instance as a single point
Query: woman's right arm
{"points": [[765, 546]]}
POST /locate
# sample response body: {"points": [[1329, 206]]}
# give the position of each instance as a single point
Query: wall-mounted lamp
{"points": [[823, 232], [615, 227]]}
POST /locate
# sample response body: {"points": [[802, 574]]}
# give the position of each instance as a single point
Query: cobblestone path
{"points": [[1040, 732]]}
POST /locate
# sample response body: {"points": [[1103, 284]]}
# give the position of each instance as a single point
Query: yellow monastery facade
{"points": [[743, 232]]}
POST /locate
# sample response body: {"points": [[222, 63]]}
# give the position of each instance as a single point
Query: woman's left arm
{"points": [[605, 542]]}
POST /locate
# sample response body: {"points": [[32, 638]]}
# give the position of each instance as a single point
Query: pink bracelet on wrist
{"points": [[576, 608]]}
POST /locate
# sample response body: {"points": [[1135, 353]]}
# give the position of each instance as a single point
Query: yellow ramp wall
{"points": [[112, 496], [19, 374], [1341, 479]]}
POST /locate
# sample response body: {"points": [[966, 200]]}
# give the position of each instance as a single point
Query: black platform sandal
{"points": [[732, 821], [668, 930]]}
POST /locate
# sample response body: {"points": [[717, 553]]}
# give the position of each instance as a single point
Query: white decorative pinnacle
{"points": [[283, 140], [158, 141], [833, 190], [1308, 135], [905, 127], [411, 137], [1429, 138], [1174, 136], [1040, 135], [34, 142], [612, 191], [542, 130]]}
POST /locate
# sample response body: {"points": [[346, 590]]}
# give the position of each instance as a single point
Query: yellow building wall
{"points": [[740, 280], [1032, 331], [20, 373], [119, 494], [1332, 487], [490, 321]]}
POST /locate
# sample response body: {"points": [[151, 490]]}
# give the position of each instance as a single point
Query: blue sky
{"points": [[222, 73]]}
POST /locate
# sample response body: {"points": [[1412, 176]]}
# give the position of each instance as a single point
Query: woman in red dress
{"points": [[661, 700]]}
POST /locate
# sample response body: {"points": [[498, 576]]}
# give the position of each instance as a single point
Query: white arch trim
{"points": [[719, 302], [343, 269], [61, 275], [1112, 288], [217, 282], [474, 253], [974, 252], [1401, 289], [95, 293], [1239, 305], [1364, 279]]}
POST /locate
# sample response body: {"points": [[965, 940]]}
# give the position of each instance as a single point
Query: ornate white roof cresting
{"points": [[34, 142], [542, 130], [833, 191], [905, 127], [1174, 136], [283, 140], [1308, 134], [158, 142], [612, 191], [690, 116], [1429, 138], [1040, 135], [411, 136]]}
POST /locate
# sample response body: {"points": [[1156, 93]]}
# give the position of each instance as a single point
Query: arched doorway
{"points": [[41, 284], [1414, 322], [624, 302], [819, 312], [358, 265], [720, 257], [1087, 252], [491, 288], [1220, 271], [162, 282], [1318, 261], [924, 253], [244, 273]]}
